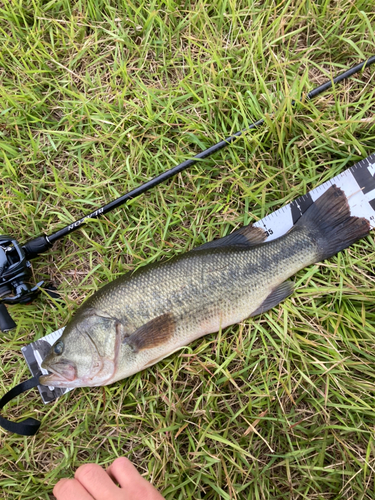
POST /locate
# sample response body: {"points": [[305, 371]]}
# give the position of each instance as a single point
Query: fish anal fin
{"points": [[246, 236], [154, 333], [277, 295]]}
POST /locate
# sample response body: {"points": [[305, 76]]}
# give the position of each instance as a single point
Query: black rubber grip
{"points": [[36, 246]]}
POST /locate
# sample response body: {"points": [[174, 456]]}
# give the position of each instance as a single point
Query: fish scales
{"points": [[219, 287], [142, 317]]}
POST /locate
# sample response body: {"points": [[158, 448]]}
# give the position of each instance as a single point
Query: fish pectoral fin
{"points": [[277, 295], [247, 236], [153, 333]]}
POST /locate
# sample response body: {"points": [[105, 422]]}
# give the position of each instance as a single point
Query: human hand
{"points": [[92, 482]]}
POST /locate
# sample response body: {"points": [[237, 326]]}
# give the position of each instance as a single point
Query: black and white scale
{"points": [[358, 184]]}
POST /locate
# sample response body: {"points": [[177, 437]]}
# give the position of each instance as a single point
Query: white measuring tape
{"points": [[358, 184]]}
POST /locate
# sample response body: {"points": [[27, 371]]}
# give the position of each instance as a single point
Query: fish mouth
{"points": [[63, 372]]}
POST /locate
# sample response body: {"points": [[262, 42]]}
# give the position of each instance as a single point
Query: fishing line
{"points": [[361, 175]]}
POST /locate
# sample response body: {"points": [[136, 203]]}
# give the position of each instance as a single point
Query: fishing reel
{"points": [[15, 277]]}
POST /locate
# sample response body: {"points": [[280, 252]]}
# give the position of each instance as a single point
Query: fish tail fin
{"points": [[329, 219]]}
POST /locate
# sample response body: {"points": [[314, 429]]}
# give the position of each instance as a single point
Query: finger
{"points": [[123, 472], [97, 482], [70, 489], [132, 483]]}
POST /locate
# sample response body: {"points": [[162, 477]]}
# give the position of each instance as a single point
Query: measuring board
{"points": [[358, 184]]}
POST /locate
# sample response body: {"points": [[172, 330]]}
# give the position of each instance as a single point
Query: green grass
{"points": [[98, 96]]}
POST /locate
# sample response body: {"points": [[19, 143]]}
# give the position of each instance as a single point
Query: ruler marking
{"points": [[34, 354], [364, 179]]}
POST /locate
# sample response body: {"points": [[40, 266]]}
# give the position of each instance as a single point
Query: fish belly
{"points": [[219, 289]]}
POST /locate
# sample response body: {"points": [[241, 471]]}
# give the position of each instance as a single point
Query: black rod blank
{"points": [[42, 243]]}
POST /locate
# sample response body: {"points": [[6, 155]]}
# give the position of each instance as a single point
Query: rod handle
{"points": [[36, 246]]}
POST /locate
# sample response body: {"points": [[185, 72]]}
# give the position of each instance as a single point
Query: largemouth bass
{"points": [[144, 316]]}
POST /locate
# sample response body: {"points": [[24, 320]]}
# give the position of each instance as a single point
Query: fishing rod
{"points": [[15, 267]]}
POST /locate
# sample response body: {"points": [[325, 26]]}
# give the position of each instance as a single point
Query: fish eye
{"points": [[59, 347]]}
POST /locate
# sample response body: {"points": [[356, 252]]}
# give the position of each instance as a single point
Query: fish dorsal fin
{"points": [[246, 236], [153, 333], [277, 295]]}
